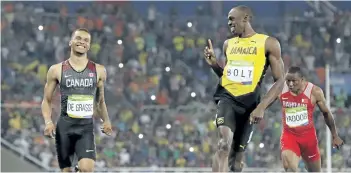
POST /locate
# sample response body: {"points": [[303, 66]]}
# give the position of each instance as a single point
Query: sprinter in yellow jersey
{"points": [[248, 55]]}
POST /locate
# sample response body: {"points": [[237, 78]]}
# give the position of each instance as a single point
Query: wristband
{"points": [[48, 122]]}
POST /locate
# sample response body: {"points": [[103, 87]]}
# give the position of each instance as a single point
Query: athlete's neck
{"points": [[248, 32], [78, 60]]}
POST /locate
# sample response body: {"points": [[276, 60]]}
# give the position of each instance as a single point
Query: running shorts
{"points": [[72, 138], [305, 145], [236, 117]]}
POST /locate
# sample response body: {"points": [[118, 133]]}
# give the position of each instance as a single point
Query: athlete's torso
{"points": [[78, 91], [245, 68], [297, 110]]}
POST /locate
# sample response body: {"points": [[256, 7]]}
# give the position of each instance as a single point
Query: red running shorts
{"points": [[305, 145]]}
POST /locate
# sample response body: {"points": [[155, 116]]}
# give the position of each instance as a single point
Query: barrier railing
{"points": [[37, 162], [194, 169]]}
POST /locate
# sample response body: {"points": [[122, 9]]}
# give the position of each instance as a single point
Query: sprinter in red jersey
{"points": [[299, 138]]}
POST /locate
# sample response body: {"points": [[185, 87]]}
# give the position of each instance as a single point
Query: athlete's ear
{"points": [[246, 18], [70, 43]]}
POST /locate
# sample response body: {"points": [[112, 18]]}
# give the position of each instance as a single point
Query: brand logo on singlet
{"points": [[244, 50], [85, 82]]}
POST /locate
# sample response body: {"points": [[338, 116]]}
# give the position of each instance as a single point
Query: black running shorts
{"points": [[74, 138], [236, 117]]}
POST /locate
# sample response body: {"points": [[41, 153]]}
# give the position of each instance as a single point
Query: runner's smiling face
{"points": [[80, 42]]}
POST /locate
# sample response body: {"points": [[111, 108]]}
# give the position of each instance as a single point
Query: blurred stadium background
{"points": [[159, 88]]}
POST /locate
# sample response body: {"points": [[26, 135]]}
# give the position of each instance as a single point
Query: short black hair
{"points": [[245, 9], [295, 69], [81, 29]]}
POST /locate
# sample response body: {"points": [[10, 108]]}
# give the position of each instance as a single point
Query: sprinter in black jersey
{"points": [[81, 84]]}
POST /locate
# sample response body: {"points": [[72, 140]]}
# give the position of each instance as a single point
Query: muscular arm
{"points": [[51, 82], [328, 116], [100, 94], [216, 68], [277, 66]]}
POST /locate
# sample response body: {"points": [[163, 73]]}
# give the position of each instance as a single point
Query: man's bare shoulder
{"points": [[101, 71], [225, 45], [272, 42], [100, 68], [56, 66], [55, 69], [271, 38], [317, 91], [273, 48], [226, 41]]}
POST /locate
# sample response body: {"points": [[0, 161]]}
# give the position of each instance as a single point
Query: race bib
{"points": [[80, 106], [240, 72], [295, 117]]}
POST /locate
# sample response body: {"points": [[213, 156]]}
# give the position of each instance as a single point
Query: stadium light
{"points": [[120, 65], [338, 40], [193, 94], [168, 126]]}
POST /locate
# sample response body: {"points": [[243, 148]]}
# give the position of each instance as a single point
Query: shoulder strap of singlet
{"points": [[91, 66], [65, 65], [232, 40], [308, 90], [262, 36], [262, 39]]}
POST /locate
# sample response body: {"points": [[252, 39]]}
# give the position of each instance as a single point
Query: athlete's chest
{"points": [[289, 100], [245, 50], [244, 59], [297, 110], [71, 79]]}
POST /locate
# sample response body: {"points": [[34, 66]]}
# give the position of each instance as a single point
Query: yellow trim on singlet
{"points": [[246, 62]]}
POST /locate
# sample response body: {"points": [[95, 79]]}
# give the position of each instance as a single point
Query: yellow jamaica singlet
{"points": [[246, 64]]}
